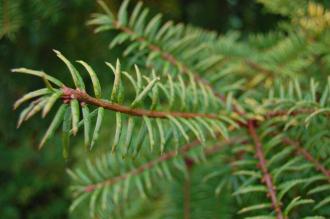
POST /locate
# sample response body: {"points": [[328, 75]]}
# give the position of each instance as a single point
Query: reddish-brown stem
{"points": [[167, 156], [83, 97], [308, 156], [267, 178], [279, 113]]}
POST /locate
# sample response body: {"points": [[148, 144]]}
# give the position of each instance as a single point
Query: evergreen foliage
{"points": [[13, 14], [205, 125]]}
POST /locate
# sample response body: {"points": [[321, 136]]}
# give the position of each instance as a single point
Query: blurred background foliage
{"points": [[34, 183]]}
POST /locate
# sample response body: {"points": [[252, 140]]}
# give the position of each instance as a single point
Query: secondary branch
{"points": [[83, 97], [267, 179], [279, 113], [308, 156], [174, 61], [167, 156]]}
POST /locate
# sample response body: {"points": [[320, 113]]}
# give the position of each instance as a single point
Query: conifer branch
{"points": [[186, 70], [267, 179], [166, 156], [174, 61], [190, 106], [308, 156], [279, 113], [143, 167], [165, 55], [83, 97]]}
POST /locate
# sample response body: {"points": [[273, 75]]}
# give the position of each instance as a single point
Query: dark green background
{"points": [[33, 184]]}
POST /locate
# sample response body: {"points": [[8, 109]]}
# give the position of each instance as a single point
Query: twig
{"points": [[279, 113], [83, 97], [174, 61], [308, 156], [167, 156], [267, 179]]}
